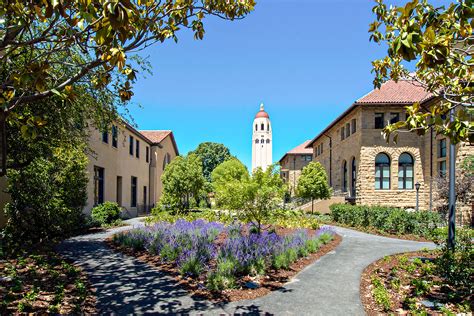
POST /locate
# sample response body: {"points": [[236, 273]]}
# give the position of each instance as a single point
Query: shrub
{"points": [[106, 213], [380, 294], [386, 219]]}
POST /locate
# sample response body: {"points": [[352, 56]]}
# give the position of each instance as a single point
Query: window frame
{"points": [[381, 116], [99, 185], [353, 126], [131, 141], [380, 167], [137, 148], [403, 167], [442, 149], [134, 191], [114, 136]]}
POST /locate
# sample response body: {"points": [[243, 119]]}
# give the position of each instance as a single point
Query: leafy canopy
{"points": [[228, 171], [212, 155], [182, 181], [254, 197], [313, 182], [439, 44]]}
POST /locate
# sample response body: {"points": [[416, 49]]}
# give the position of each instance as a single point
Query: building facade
{"points": [[261, 140], [364, 168], [293, 162], [125, 166]]}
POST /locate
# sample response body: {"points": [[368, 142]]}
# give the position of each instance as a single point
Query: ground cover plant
{"points": [[387, 220], [426, 282], [43, 284], [221, 258]]}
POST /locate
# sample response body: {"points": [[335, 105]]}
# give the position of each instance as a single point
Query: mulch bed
{"points": [[44, 284], [387, 269], [272, 280]]}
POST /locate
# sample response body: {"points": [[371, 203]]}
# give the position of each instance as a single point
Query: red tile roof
{"points": [[155, 136], [300, 150], [404, 92], [401, 92]]}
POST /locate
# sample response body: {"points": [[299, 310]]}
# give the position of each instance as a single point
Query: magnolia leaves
{"points": [[439, 41]]}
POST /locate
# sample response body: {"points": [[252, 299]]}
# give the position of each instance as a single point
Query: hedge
{"points": [[386, 219]]}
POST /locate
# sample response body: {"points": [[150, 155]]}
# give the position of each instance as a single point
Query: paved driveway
{"points": [[330, 286]]}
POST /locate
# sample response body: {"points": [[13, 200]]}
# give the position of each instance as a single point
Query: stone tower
{"points": [[261, 140]]}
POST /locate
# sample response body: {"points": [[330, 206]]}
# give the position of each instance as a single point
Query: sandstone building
{"points": [[366, 169], [293, 162], [126, 165]]}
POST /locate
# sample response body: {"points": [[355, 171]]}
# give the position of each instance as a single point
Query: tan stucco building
{"points": [[366, 169], [125, 166], [293, 162]]}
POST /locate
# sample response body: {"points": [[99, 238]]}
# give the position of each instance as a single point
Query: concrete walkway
{"points": [[330, 286]]}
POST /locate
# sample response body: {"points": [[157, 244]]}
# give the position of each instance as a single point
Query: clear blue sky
{"points": [[306, 60]]}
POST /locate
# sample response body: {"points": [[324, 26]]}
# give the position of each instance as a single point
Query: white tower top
{"points": [[261, 140]]}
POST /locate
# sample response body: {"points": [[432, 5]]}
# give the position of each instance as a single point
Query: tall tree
{"points": [[212, 155], [182, 181], [313, 183], [438, 43], [230, 170]]}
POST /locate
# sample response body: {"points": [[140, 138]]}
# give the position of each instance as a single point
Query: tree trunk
{"points": [[312, 205]]}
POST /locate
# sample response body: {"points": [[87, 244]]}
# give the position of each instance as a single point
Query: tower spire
{"points": [[262, 107]]}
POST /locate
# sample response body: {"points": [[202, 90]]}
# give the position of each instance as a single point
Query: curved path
{"points": [[330, 286]]}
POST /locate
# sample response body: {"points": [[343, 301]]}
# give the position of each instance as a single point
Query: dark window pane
{"points": [[382, 172], [442, 148], [105, 137], [131, 145], [133, 202], [98, 185], [379, 121], [394, 118], [147, 154], [348, 130], [354, 126], [114, 136], [137, 154]]}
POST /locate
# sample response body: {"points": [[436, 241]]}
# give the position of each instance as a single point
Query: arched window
{"points": [[256, 141], [353, 177], [405, 171], [382, 172], [344, 176], [268, 127], [256, 127], [262, 127], [268, 141], [166, 160]]}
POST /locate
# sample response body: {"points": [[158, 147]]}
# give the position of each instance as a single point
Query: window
{"points": [[166, 160], [308, 157], [105, 137], [348, 130], [131, 145], [353, 177], [394, 118], [442, 168], [405, 172], [268, 141], [133, 200], [268, 127], [318, 150], [145, 202], [321, 147], [342, 133], [119, 191], [114, 136], [353, 126], [382, 172], [256, 127], [98, 185], [379, 122], [344, 176], [262, 127], [137, 149], [442, 148], [256, 141], [147, 158]]}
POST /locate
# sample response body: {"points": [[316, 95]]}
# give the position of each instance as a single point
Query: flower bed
{"points": [[223, 261], [422, 283]]}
